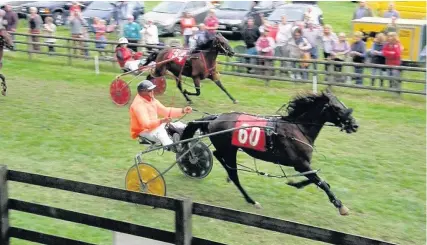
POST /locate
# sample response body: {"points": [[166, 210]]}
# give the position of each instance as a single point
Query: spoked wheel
{"points": [[152, 181], [198, 162], [120, 92]]}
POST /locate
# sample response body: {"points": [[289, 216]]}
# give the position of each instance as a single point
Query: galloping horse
{"points": [[5, 41], [198, 66], [290, 143]]}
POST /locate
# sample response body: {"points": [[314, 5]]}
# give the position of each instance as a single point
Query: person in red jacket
{"points": [[126, 57], [392, 52], [75, 7], [187, 23]]}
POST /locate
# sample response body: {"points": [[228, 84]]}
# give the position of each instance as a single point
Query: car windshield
{"points": [[168, 7], [100, 5], [235, 5], [292, 14]]}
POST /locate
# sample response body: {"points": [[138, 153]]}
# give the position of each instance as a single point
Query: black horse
{"points": [[290, 145], [198, 66]]}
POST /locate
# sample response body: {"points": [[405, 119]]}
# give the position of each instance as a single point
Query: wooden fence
{"points": [[234, 66], [184, 209]]}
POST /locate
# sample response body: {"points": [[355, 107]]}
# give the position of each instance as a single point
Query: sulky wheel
{"points": [[198, 162], [120, 92], [160, 83], [152, 181]]}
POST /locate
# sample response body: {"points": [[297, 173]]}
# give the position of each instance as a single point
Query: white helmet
{"points": [[123, 40]]}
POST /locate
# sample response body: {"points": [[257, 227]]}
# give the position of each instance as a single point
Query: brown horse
{"points": [[5, 41], [198, 66]]}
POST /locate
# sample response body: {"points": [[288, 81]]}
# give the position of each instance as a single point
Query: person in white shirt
{"points": [[283, 35], [150, 34], [192, 40]]}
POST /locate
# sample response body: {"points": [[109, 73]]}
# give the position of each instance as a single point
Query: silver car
{"points": [[167, 15]]}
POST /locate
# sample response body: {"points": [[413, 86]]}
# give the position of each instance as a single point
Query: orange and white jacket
{"points": [[144, 114]]}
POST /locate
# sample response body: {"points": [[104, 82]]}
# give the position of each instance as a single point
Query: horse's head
{"points": [[221, 44], [339, 114]]}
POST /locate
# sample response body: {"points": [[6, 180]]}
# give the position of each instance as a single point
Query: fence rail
{"points": [[184, 209], [266, 72]]}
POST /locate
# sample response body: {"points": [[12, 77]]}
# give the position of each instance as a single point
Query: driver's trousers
{"points": [[160, 135]]}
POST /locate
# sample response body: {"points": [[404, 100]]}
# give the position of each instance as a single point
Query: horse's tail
{"points": [[201, 124], [152, 57]]}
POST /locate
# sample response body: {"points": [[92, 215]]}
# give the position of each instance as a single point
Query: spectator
{"points": [[100, 29], [211, 22], [392, 27], [202, 35], [121, 11], [75, 7], [391, 12], [151, 34], [299, 49], [254, 13], [328, 39], [377, 57], [392, 53], [12, 20], [358, 50], [265, 47], [77, 24], [313, 36], [85, 36], [132, 32], [250, 35], [192, 40], [362, 11], [187, 24], [49, 29], [284, 33], [35, 24], [339, 52]]}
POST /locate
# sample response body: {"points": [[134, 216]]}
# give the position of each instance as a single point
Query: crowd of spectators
{"points": [[301, 40]]}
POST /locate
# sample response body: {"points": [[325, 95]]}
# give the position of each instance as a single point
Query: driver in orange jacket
{"points": [[144, 113]]}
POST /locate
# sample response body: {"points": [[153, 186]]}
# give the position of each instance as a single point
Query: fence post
{"points": [[113, 61], [29, 47], [314, 78], [183, 224], [4, 212], [69, 51]]}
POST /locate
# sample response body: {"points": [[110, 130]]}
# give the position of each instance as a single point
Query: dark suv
{"points": [[232, 15], [58, 10]]}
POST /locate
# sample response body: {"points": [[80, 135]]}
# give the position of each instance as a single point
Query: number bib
{"points": [[179, 56], [253, 137]]}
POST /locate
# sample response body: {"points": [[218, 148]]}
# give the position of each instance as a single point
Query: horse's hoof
{"points": [[344, 210], [235, 101], [3, 93], [257, 205]]}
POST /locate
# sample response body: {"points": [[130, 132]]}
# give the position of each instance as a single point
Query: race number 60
{"points": [[253, 136]]}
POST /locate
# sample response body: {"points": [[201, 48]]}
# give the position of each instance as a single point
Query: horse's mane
{"points": [[205, 46], [303, 102]]}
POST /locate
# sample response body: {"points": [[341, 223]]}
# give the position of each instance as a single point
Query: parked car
{"points": [[58, 10], [233, 15], [15, 6], [295, 12], [105, 10], [167, 15]]}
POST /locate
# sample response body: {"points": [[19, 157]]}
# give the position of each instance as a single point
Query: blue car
{"points": [[106, 10]]}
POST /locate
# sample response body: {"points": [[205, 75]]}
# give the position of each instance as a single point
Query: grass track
{"points": [[59, 121], [63, 124]]}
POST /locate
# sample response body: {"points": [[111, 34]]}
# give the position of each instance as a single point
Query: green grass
{"points": [[59, 121]]}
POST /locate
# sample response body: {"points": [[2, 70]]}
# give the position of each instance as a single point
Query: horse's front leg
{"points": [[183, 92], [215, 78], [196, 81], [314, 178]]}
